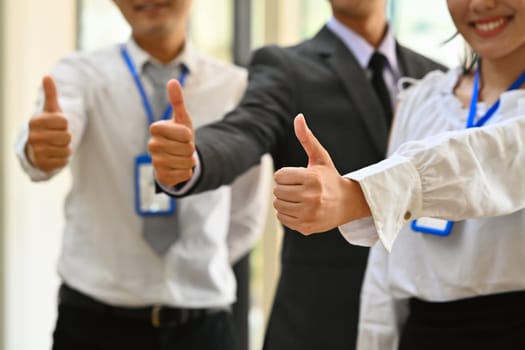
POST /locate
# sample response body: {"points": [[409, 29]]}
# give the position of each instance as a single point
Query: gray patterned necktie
{"points": [[160, 231]]}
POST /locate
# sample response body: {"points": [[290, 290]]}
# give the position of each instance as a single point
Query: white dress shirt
{"points": [[461, 177], [363, 52], [103, 253]]}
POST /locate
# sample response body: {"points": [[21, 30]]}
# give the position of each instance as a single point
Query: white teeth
{"points": [[486, 27]]}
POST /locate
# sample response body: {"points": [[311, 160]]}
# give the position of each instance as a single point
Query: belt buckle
{"points": [[176, 318], [155, 316]]}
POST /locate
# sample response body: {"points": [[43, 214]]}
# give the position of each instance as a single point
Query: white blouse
{"points": [[467, 174]]}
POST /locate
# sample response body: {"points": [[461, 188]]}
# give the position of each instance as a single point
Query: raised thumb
{"points": [[50, 95], [180, 114], [316, 153]]}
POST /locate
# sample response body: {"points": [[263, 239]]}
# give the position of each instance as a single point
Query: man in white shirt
{"points": [[140, 273]]}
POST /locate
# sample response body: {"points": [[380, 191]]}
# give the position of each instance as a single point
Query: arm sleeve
{"points": [[257, 126], [454, 176], [67, 76], [380, 315]]}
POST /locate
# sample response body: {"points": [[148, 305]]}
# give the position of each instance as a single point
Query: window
{"points": [[211, 26], [425, 26]]}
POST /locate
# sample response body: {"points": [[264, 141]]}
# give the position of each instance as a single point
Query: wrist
{"points": [[355, 204]]}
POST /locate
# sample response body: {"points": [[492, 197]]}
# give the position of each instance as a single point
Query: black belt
{"points": [[157, 315]]}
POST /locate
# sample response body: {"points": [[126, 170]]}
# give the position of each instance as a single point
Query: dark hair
{"points": [[470, 60]]}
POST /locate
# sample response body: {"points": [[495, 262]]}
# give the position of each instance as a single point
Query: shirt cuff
{"points": [[185, 187], [392, 189], [360, 232]]}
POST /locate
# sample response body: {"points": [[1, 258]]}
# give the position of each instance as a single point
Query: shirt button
{"points": [[407, 215]]}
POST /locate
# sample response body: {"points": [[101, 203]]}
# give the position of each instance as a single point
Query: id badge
{"points": [[432, 226], [147, 201]]}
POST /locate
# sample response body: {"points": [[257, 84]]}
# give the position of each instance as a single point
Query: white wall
{"points": [[35, 34]]}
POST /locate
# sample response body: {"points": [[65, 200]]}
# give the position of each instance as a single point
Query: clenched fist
{"points": [[171, 143], [48, 144], [316, 198]]}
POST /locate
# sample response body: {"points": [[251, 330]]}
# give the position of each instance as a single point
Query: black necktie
{"points": [[377, 65]]}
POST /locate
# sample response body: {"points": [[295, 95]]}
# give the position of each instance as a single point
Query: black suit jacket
{"points": [[317, 300]]}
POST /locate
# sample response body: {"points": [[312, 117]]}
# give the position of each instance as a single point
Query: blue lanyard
{"points": [[471, 121], [446, 226], [142, 91]]}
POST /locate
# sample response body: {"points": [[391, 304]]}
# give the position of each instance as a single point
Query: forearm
{"points": [[453, 176], [225, 152], [259, 125]]}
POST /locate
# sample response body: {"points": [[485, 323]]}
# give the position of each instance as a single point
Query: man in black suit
{"points": [[326, 78]]}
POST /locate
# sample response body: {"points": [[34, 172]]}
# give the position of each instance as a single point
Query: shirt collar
{"points": [[361, 49], [140, 57]]}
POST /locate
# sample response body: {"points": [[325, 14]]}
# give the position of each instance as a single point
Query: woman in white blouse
{"points": [[457, 284]]}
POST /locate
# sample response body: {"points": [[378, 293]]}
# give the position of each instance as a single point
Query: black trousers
{"points": [[82, 328], [491, 322]]}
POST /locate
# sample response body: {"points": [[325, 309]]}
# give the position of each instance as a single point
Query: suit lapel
{"points": [[356, 84]]}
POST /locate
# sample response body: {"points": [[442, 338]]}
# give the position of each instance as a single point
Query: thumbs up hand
{"points": [[316, 198], [172, 142], [48, 144]]}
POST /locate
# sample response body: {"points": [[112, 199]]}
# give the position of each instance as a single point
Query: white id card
{"points": [[432, 226], [147, 201]]}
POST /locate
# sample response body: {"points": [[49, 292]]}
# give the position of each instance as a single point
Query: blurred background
{"points": [[35, 33]]}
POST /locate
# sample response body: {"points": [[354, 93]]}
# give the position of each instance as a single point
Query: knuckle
{"points": [[61, 121], [62, 163], [38, 151], [32, 139], [37, 121], [45, 166], [153, 145], [316, 179], [154, 128], [163, 178], [189, 149], [187, 135], [33, 123], [281, 218], [159, 163], [187, 174]]}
